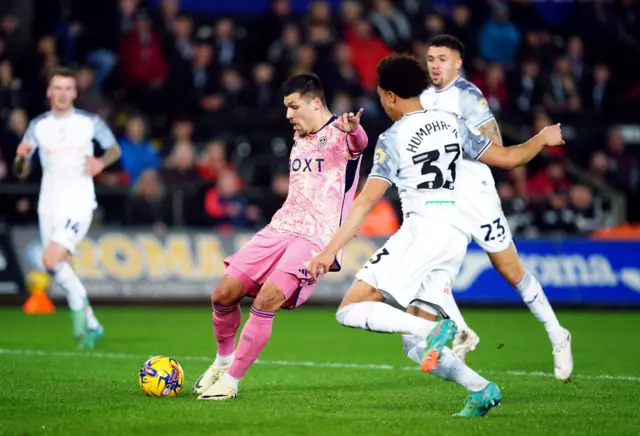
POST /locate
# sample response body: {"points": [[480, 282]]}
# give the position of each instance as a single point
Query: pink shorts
{"points": [[279, 258]]}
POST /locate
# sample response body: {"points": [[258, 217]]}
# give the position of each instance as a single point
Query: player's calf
{"points": [[226, 319], [54, 260]]}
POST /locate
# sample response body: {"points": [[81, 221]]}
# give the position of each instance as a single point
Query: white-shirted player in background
{"points": [[419, 154], [64, 138], [478, 200]]}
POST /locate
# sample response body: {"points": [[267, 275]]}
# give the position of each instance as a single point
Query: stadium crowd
{"points": [[195, 100]]}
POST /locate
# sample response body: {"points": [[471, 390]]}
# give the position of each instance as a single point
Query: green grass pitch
{"points": [[314, 378]]}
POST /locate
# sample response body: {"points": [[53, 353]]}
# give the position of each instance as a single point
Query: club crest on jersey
{"points": [[322, 142], [380, 156]]}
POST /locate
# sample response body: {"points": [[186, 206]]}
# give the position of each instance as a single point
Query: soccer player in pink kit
{"points": [[323, 170]]}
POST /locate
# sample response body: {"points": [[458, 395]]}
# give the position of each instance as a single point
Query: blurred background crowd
{"points": [[192, 92]]}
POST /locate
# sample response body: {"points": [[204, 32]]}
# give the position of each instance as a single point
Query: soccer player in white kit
{"points": [[63, 136], [477, 198], [419, 154]]}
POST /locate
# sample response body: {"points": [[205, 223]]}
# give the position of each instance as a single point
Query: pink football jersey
{"points": [[324, 168]]}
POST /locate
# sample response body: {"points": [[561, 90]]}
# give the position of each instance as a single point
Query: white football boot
{"points": [[464, 342], [219, 391], [563, 358], [210, 376]]}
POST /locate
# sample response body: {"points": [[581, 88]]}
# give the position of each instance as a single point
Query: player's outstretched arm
{"points": [[518, 155], [373, 191]]}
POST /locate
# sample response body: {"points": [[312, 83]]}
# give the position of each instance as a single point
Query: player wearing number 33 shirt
{"points": [[419, 154]]}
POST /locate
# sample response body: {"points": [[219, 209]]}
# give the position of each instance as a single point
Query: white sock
{"points": [[452, 369], [533, 296], [76, 293], [380, 317], [449, 368], [227, 379], [413, 347], [223, 360], [92, 321]]}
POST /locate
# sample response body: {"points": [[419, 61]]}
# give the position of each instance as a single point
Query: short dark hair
{"points": [[305, 84], [61, 72], [403, 75], [448, 41]]}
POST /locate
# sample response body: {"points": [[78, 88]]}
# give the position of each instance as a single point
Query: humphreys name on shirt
{"points": [[425, 131], [306, 165]]}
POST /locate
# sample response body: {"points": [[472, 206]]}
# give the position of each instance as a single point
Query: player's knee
{"points": [[343, 311], [52, 256], [269, 299], [228, 292]]}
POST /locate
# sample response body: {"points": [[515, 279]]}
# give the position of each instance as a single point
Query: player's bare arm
{"points": [[491, 130], [373, 191], [518, 155], [95, 166]]}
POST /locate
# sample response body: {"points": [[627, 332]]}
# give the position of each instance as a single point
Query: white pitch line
{"points": [[126, 356]]}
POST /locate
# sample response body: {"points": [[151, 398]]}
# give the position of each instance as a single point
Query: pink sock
{"points": [[254, 337], [226, 320]]}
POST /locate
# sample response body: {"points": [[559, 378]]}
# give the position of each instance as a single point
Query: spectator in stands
{"points": [[305, 60], [583, 217], [213, 161], [551, 181], [225, 204], [575, 53], [622, 165], [492, 84], [433, 25], [90, 97], [149, 204], [263, 95], [341, 76], [600, 95], [138, 154], [16, 125], [180, 169], [180, 45], [526, 87], [598, 168], [227, 49], [499, 38], [282, 52], [554, 217], [181, 134], [143, 67], [367, 50], [391, 24], [11, 93], [561, 93], [165, 17], [460, 27]]}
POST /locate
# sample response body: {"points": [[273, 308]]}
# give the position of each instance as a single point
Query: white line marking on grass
{"points": [[126, 356]]}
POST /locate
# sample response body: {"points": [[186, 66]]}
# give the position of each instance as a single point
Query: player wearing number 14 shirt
{"points": [[419, 154], [63, 137], [478, 201]]}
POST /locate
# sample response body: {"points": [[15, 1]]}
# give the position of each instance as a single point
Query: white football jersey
{"points": [[63, 144], [420, 153], [464, 99]]}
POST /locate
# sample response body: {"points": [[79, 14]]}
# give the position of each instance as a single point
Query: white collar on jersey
{"points": [[449, 85]]}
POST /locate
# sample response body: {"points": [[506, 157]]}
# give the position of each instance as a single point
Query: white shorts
{"points": [[420, 247], [486, 221], [67, 229]]}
